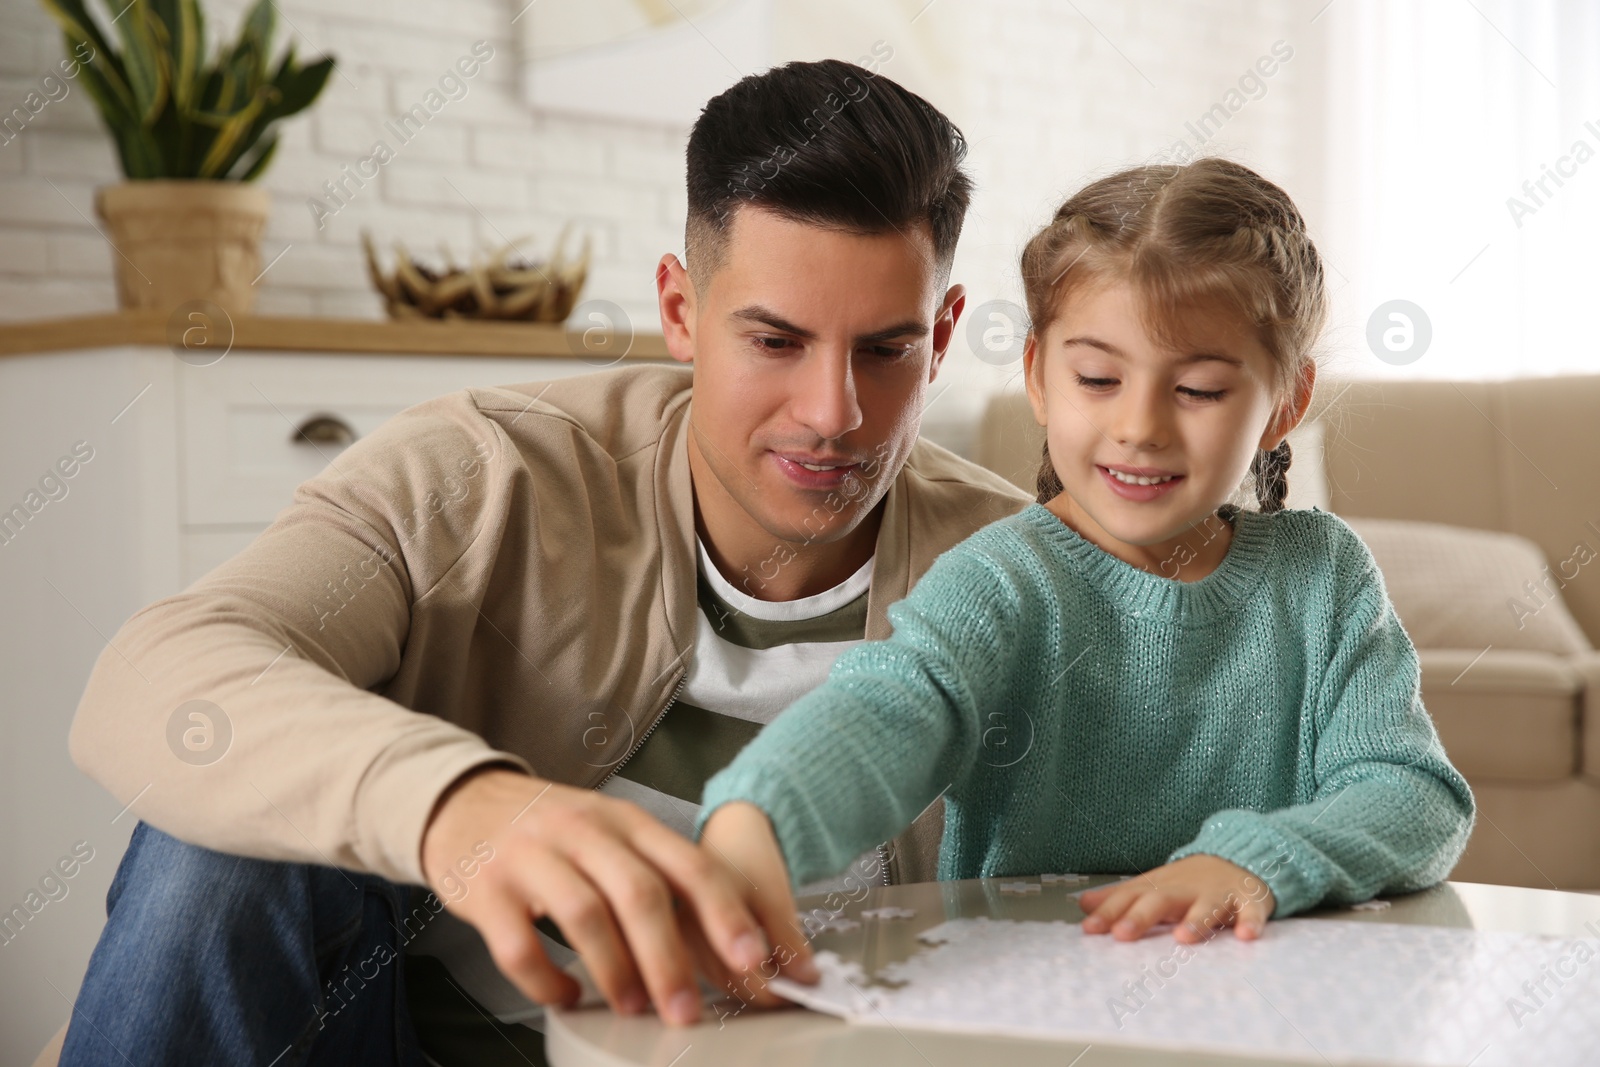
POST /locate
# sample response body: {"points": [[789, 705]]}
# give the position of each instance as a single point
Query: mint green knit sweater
{"points": [[1081, 714]]}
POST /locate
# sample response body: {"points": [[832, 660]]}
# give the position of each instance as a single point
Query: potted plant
{"points": [[192, 136]]}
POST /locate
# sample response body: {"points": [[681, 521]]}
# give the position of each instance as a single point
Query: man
{"points": [[497, 634]]}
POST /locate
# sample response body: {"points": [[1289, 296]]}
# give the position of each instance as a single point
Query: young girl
{"points": [[1133, 675]]}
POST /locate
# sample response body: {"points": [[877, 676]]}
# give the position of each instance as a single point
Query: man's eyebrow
{"points": [[911, 328], [1193, 357]]}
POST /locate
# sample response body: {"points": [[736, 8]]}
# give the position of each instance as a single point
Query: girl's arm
{"points": [[853, 762], [1390, 813]]}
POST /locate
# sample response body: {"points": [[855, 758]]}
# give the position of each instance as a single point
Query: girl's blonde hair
{"points": [[1207, 232]]}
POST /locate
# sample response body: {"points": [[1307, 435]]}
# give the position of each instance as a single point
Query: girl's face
{"points": [[1120, 408]]}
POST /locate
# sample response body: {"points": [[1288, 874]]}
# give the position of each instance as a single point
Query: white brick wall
{"points": [[1059, 95], [516, 174], [1050, 94]]}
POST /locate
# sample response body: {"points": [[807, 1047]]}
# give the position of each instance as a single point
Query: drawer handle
{"points": [[323, 430]]}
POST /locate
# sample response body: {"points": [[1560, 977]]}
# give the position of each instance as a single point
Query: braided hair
{"points": [[1271, 473], [1211, 231]]}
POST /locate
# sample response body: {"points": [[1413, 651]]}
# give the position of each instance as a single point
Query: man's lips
{"points": [[815, 460], [793, 466]]}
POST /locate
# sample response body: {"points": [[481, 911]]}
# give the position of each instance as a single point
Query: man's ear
{"points": [[1293, 410], [944, 326], [675, 296]]}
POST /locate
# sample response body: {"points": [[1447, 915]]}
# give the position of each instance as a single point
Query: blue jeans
{"points": [[210, 958]]}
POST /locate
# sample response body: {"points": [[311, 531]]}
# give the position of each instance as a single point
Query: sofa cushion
{"points": [[1455, 587]]}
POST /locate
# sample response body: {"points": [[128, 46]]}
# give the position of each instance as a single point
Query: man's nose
{"points": [[824, 396]]}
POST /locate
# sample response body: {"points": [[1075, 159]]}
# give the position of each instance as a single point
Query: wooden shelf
{"points": [[420, 337]]}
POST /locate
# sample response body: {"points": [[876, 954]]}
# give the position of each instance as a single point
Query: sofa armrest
{"points": [[1506, 715], [1588, 668]]}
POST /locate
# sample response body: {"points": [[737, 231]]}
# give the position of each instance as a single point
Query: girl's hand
{"points": [[1202, 894], [739, 837]]}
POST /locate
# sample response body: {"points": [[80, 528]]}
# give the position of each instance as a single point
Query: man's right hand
{"points": [[611, 878]]}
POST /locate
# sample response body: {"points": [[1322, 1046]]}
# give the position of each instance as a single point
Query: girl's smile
{"points": [[1139, 483]]}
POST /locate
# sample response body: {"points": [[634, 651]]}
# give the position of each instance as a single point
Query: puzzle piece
{"points": [[1370, 905], [1356, 991], [1019, 888], [888, 913], [1063, 879]]}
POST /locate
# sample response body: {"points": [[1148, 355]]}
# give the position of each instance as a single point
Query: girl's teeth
{"points": [[809, 467], [1134, 479]]}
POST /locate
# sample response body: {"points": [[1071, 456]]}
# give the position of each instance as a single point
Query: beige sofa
{"points": [[1521, 457]]}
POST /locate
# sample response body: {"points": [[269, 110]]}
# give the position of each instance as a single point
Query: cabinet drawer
{"points": [[201, 551], [241, 453]]}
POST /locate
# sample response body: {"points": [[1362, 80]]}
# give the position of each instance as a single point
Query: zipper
{"points": [[682, 681], [883, 864]]}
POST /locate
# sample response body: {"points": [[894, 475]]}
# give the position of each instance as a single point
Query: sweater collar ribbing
{"points": [[1143, 595]]}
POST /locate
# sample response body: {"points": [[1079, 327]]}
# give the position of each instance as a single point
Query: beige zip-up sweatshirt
{"points": [[498, 575]]}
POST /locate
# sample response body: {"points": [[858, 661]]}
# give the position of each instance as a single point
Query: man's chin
{"points": [[808, 519], [815, 526]]}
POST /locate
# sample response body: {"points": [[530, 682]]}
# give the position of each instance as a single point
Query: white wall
{"points": [[1061, 94], [1048, 93]]}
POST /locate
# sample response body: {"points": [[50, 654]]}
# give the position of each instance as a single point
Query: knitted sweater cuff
{"points": [[804, 844], [1250, 840]]}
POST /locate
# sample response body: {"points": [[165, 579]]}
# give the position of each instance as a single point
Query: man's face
{"points": [[810, 346]]}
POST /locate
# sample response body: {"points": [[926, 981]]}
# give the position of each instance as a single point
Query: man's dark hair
{"points": [[827, 143]]}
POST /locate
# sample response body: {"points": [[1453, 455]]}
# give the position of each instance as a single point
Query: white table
{"points": [[595, 1037]]}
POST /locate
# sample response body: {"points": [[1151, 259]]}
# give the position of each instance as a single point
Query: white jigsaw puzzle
{"points": [[1063, 879], [1019, 888], [1312, 990], [1371, 905], [889, 912]]}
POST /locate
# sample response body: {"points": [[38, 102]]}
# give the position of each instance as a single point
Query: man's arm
{"points": [[284, 644], [295, 758]]}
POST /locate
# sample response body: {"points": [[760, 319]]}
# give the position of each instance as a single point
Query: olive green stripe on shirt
{"points": [[687, 748], [454, 1029], [847, 623]]}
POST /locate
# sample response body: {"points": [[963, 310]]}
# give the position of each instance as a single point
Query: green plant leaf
{"points": [[174, 108], [141, 55], [259, 27], [266, 118], [165, 10], [266, 150], [188, 46], [172, 133], [229, 89], [76, 24], [301, 86], [141, 158], [246, 67], [224, 149], [116, 108]]}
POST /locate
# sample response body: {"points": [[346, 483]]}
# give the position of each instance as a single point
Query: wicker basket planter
{"points": [[176, 241]]}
